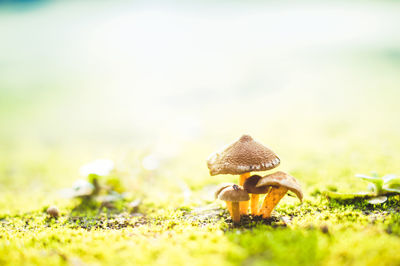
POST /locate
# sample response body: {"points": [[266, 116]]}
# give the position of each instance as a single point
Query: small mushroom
{"points": [[280, 182], [240, 158], [53, 211], [254, 191], [218, 191], [234, 194]]}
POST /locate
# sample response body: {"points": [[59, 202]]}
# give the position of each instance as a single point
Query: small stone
{"points": [[324, 229], [377, 200], [53, 211]]}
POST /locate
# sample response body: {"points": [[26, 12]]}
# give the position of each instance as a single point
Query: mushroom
{"points": [[250, 186], [53, 211], [241, 158], [234, 194], [280, 182], [218, 191]]}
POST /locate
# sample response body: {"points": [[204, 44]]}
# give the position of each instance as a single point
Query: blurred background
{"points": [[156, 86]]}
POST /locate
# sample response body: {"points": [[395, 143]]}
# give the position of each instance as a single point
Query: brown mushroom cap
{"points": [[234, 193], [250, 185], [222, 187], [53, 211], [243, 156], [282, 179]]}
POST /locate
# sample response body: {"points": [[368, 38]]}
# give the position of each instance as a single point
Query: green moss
{"points": [[312, 234], [278, 246]]}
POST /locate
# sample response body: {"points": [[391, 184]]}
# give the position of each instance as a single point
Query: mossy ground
{"points": [[312, 234]]}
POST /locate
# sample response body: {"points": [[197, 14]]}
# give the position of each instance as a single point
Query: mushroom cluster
{"points": [[241, 158]]}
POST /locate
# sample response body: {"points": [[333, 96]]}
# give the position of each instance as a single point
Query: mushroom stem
{"points": [[271, 200], [254, 198], [243, 178], [235, 212], [244, 205], [229, 206]]}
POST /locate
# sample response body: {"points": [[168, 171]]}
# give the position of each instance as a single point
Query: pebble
{"points": [[53, 211]]}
